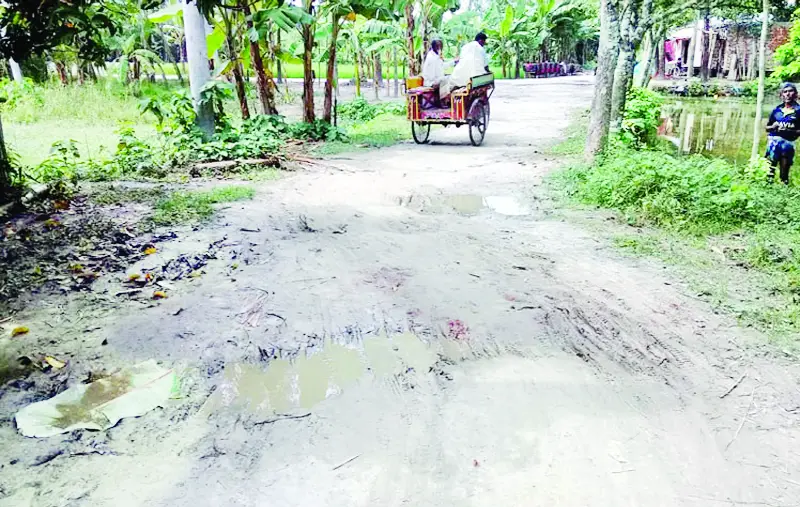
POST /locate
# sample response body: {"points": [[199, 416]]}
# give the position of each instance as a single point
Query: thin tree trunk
{"points": [[161, 70], [388, 82], [762, 51], [646, 60], [604, 81], [264, 84], [706, 45], [327, 106], [5, 169], [308, 71], [396, 77], [413, 65], [622, 79], [241, 92], [199, 72], [692, 49], [62, 73], [280, 67], [377, 71], [662, 59], [516, 60], [357, 62]]}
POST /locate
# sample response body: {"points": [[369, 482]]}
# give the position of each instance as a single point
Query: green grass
{"points": [[735, 237], [187, 207], [574, 137], [382, 131]]}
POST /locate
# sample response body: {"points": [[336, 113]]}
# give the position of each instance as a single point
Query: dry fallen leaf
{"points": [[159, 294], [150, 250], [55, 363], [61, 204], [19, 330], [133, 277]]}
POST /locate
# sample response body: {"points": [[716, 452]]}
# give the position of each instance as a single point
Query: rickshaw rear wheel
{"points": [[421, 132], [478, 120]]}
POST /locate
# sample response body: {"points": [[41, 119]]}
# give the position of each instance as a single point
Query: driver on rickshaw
{"points": [[473, 62]]}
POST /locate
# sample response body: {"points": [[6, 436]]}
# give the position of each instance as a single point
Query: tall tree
{"points": [[307, 33], [264, 83], [634, 22], [608, 52], [762, 58]]}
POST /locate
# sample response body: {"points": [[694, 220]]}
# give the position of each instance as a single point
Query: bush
{"points": [[359, 110], [690, 194], [642, 117]]}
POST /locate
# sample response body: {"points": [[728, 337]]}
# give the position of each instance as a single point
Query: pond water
{"points": [[713, 127]]}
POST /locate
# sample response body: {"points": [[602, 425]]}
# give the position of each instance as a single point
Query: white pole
{"points": [[16, 70], [197, 60]]}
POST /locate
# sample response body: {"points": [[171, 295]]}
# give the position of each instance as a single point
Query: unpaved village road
{"points": [[413, 326]]}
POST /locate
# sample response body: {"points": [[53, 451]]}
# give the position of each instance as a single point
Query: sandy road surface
{"points": [[451, 344]]}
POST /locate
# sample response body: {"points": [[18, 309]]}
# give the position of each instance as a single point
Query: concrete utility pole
{"points": [[197, 59], [16, 70]]}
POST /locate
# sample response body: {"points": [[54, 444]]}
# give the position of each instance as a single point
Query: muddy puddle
{"points": [[286, 385], [465, 204]]}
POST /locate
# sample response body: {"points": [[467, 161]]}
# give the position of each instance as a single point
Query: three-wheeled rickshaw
{"points": [[468, 106]]}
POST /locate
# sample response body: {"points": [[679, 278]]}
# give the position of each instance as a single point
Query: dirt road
{"points": [[415, 326]]}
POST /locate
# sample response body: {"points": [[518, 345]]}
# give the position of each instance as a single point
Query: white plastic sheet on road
{"points": [[101, 404]]}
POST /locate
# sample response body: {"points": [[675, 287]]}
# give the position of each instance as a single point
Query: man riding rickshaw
{"points": [[461, 98]]}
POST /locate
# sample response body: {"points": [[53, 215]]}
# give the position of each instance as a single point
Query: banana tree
{"points": [[268, 17], [385, 36]]}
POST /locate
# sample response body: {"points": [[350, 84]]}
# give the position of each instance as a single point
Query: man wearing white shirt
{"points": [[473, 62], [433, 68]]}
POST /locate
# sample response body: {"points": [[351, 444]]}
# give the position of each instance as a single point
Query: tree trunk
{"points": [[264, 84], [280, 67], [388, 81], [378, 70], [241, 92], [357, 61], [308, 71], [692, 49], [516, 60], [706, 46], [622, 80], [331, 71], [62, 73], [662, 59], [425, 41], [161, 70], [646, 60], [16, 72], [5, 169], [604, 81], [396, 77], [762, 50], [413, 65], [197, 58]]}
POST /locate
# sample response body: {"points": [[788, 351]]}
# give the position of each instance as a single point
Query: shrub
{"points": [[692, 194], [642, 117]]}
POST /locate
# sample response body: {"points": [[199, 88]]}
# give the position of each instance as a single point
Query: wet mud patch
{"points": [[286, 383]]}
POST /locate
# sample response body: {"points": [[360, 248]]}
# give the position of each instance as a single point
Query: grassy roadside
{"points": [[733, 239]]}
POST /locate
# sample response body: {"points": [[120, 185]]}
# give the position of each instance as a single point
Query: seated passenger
{"points": [[473, 62], [433, 69]]}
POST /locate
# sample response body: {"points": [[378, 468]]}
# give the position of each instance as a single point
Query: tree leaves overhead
{"points": [[31, 27]]}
